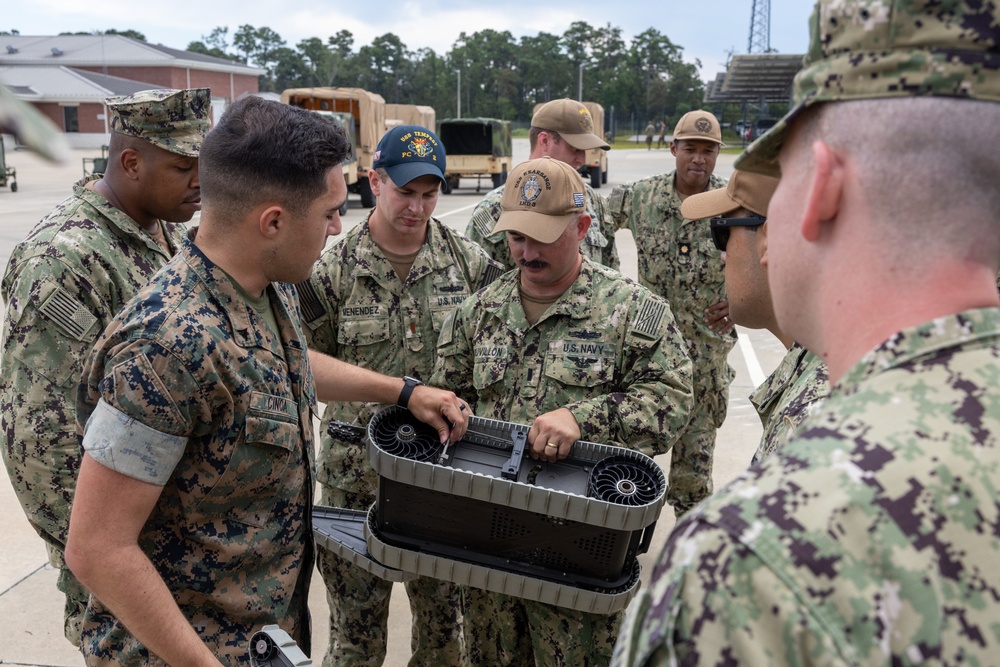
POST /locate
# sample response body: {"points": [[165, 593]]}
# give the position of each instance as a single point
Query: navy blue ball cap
{"points": [[407, 152]]}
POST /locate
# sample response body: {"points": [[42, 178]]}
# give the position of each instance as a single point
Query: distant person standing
{"points": [[679, 262], [377, 298], [662, 140], [67, 280], [562, 130], [650, 132]]}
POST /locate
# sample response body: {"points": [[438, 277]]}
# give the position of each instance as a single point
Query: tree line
{"points": [[501, 77], [640, 80]]}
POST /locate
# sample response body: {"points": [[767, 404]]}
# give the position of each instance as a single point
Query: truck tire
{"points": [[500, 179], [595, 177], [365, 190], [604, 176]]}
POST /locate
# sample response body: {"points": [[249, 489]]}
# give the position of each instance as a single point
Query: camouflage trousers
{"points": [[690, 478], [76, 597], [359, 609], [501, 630], [42, 468]]}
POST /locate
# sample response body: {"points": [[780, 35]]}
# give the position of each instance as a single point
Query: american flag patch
{"points": [[309, 302], [68, 313], [578, 199], [647, 320]]}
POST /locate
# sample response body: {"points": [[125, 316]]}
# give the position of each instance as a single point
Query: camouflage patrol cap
{"points": [[174, 120], [540, 199], [864, 49]]}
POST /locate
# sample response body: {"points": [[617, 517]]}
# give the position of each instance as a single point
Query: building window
{"points": [[71, 120]]}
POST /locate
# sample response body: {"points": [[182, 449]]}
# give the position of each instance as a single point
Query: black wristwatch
{"points": [[408, 385]]}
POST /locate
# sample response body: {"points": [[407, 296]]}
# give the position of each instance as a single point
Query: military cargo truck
{"points": [[368, 111], [413, 114], [350, 165], [476, 148], [596, 164]]}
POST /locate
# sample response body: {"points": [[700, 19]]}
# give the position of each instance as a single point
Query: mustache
{"points": [[533, 264]]}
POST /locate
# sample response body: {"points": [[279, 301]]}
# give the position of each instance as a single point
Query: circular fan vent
{"points": [[399, 433], [623, 481], [262, 649]]}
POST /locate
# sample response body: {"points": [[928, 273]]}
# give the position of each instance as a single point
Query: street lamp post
{"points": [[580, 89], [458, 94]]}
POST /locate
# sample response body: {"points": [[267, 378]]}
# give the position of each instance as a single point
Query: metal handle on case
{"points": [[512, 467]]}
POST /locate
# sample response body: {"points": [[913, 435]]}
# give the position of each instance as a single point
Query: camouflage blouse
{"points": [[231, 532], [607, 350], [870, 539]]}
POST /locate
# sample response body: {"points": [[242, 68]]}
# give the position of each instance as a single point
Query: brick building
{"points": [[67, 77]]}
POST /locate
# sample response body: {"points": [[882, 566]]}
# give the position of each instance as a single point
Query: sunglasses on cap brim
{"points": [[720, 228]]}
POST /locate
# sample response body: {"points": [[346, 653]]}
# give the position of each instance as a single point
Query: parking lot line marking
{"points": [[750, 359], [457, 210]]}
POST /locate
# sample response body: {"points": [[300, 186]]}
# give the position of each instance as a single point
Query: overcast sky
{"points": [[705, 29]]}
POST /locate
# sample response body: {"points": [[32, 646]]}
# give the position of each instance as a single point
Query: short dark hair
{"points": [[533, 133], [262, 150]]}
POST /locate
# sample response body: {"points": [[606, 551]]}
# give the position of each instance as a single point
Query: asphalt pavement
{"points": [[30, 605]]}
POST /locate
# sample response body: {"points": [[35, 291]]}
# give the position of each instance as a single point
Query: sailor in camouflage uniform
{"points": [[678, 262], [377, 298], [563, 130], [191, 523], [871, 538], [578, 351], [738, 219], [65, 282]]}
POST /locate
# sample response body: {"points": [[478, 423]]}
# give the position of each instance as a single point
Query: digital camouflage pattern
{"points": [[357, 309], [231, 532], [599, 246], [679, 262], [791, 393], [505, 631], [864, 49], [174, 120], [359, 608], [609, 352], [63, 284], [893, 562]]}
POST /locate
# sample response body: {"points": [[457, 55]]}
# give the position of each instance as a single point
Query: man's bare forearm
{"points": [[103, 552], [337, 380]]}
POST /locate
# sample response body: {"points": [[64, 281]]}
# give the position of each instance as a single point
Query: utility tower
{"points": [[760, 27]]}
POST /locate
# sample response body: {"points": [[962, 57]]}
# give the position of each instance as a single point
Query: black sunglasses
{"points": [[720, 228]]}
